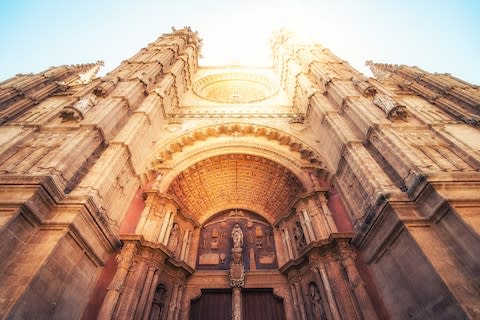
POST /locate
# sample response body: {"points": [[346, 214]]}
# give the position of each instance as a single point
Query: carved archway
{"points": [[253, 146], [262, 140]]}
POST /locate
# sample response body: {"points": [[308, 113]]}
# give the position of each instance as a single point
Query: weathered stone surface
{"points": [[362, 193]]}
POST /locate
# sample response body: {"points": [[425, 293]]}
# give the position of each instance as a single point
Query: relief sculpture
{"points": [[236, 229]]}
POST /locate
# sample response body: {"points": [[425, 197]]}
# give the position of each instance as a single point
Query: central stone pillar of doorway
{"points": [[237, 272]]}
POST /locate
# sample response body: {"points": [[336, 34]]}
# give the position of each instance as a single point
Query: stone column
{"points": [[327, 213], [301, 301], [153, 288], [306, 232], [237, 272], [163, 228], [323, 293], [151, 219], [173, 303], [144, 216], [191, 257], [328, 291], [308, 224], [178, 305], [169, 228], [295, 302], [146, 291], [288, 244], [357, 285], [185, 241], [279, 246], [318, 220], [343, 295], [116, 286], [237, 304], [133, 288]]}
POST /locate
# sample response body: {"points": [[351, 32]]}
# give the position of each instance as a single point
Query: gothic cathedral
{"points": [[304, 190]]}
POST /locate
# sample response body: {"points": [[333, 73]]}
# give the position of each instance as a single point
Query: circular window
{"points": [[235, 87]]}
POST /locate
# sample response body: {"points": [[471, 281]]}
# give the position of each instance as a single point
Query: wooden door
{"points": [[261, 304], [213, 304]]}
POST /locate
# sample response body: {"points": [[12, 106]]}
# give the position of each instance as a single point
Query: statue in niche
{"points": [[316, 301], [237, 236], [299, 236], [174, 236], [158, 303], [268, 237]]}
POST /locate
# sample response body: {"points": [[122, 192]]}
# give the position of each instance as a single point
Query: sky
{"points": [[437, 36]]}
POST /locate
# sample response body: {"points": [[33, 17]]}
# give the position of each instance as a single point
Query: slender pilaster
{"points": [[173, 303], [323, 292], [328, 290], [357, 284], [146, 291], [116, 286], [296, 306], [153, 288], [301, 301], [327, 213], [308, 225]]}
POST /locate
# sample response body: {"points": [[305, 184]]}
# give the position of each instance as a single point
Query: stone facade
{"points": [[366, 189]]}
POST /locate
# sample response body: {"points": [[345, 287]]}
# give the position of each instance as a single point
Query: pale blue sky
{"points": [[439, 36]]}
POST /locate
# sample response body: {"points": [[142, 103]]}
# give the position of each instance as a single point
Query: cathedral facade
{"points": [[304, 190]]}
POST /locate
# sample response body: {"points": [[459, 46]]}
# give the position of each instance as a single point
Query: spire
{"points": [[381, 71], [20, 93], [91, 72], [456, 97]]}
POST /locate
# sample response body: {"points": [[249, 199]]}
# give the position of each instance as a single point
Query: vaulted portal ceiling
{"points": [[236, 181]]}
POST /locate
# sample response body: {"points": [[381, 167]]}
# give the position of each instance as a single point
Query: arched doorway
{"points": [[265, 183]]}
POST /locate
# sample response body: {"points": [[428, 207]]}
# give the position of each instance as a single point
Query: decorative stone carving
{"points": [[78, 110], [237, 270], [299, 236], [267, 259], [316, 301], [392, 108], [237, 236], [209, 259], [227, 192], [226, 231], [365, 88], [174, 238], [158, 303], [235, 87]]}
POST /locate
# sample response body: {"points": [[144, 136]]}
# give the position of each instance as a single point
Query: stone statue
{"points": [[299, 235], [316, 301], [158, 303], [237, 236], [173, 240]]}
